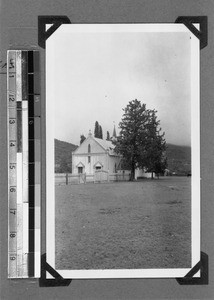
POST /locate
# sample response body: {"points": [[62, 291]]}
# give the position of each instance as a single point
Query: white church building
{"points": [[95, 154]]}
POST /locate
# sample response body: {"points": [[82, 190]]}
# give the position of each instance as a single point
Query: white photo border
{"points": [[195, 153]]}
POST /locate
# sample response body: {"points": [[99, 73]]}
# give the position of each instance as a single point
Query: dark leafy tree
{"points": [[156, 161], [64, 167], [108, 136], [138, 130], [82, 138]]}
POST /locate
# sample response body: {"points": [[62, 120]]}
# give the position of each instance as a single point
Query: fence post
{"points": [[66, 178]]}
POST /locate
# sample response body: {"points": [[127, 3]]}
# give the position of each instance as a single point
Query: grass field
{"points": [[126, 225]]}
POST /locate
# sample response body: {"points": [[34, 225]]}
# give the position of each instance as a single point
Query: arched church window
{"points": [[89, 148]]}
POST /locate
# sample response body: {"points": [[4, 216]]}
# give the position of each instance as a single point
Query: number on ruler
{"points": [[12, 257], [13, 211], [11, 64], [11, 98], [12, 234], [12, 121], [12, 189], [12, 166]]}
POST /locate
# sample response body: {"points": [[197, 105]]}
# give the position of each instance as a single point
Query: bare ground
{"points": [[126, 225]]}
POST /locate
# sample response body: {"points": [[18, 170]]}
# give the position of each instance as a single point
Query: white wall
{"points": [[89, 166], [141, 173], [111, 163], [107, 161]]}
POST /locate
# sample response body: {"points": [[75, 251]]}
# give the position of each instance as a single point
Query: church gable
{"points": [[90, 145]]}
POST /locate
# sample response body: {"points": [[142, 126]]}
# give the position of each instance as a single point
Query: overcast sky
{"points": [[97, 74]]}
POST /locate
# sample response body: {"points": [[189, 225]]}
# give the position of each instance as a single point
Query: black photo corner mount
{"points": [[201, 266], [54, 21], [202, 33], [58, 280]]}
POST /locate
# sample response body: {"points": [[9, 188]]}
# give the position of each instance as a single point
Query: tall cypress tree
{"points": [[100, 132], [82, 138], [96, 130], [108, 136]]}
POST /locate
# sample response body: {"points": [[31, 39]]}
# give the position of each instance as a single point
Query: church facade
{"points": [[95, 154]]}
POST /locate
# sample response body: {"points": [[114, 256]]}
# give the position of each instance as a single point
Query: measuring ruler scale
{"points": [[23, 104]]}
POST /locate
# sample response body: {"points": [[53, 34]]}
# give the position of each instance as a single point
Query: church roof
{"points": [[104, 144], [107, 145]]}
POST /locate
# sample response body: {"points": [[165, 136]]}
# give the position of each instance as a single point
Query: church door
{"points": [[80, 170]]}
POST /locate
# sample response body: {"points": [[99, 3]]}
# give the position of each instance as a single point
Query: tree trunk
{"points": [[132, 172], [152, 176], [132, 175]]}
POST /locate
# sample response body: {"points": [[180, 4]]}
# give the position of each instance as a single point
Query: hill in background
{"points": [[63, 156], [178, 158]]}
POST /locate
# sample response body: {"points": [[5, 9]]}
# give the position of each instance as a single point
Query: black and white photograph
{"points": [[122, 150]]}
